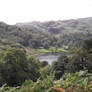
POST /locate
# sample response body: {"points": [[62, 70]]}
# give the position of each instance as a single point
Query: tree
{"points": [[43, 64], [59, 66], [16, 67], [89, 64], [33, 68], [78, 60], [14, 71], [87, 44]]}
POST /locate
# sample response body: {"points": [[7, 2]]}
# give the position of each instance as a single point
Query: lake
{"points": [[51, 57]]}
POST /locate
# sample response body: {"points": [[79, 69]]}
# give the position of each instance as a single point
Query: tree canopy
{"points": [[16, 67]]}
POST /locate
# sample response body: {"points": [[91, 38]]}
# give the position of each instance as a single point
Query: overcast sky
{"points": [[15, 11]]}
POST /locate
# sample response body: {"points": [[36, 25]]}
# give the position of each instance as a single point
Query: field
{"points": [[52, 50]]}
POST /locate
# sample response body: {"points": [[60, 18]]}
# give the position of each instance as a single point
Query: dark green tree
{"points": [[16, 67], [14, 71], [89, 64], [87, 44], [33, 68], [43, 64], [78, 60], [59, 67]]}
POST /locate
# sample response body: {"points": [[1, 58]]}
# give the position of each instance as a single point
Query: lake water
{"points": [[50, 57]]}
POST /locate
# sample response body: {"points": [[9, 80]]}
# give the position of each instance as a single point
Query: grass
{"points": [[61, 50], [44, 51], [54, 50]]}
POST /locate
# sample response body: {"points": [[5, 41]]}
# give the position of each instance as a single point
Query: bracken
{"points": [[59, 89]]}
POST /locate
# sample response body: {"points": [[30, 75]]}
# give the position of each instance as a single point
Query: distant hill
{"points": [[46, 34], [82, 25]]}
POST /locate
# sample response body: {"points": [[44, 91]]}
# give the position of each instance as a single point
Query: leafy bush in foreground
{"points": [[70, 82]]}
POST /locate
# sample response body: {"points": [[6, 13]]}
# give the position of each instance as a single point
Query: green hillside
{"points": [[58, 34]]}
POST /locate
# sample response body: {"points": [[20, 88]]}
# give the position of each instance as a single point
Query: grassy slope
{"points": [[58, 50]]}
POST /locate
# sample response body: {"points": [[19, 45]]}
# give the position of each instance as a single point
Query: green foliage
{"points": [[70, 82], [59, 67], [45, 71], [16, 68], [43, 64], [39, 86], [33, 68], [80, 60], [76, 81], [87, 44], [14, 71]]}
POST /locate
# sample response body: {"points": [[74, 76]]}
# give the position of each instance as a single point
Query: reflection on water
{"points": [[50, 57]]}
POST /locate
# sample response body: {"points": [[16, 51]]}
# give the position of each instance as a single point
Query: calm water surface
{"points": [[50, 57]]}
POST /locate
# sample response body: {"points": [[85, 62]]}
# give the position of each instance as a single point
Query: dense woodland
{"points": [[21, 71], [49, 34]]}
